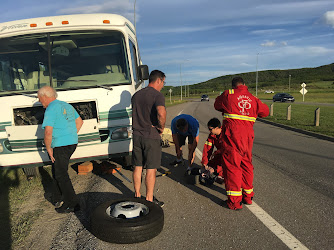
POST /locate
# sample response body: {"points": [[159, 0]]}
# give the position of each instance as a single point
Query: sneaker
{"points": [[58, 204], [157, 202], [187, 172], [64, 209], [176, 163]]}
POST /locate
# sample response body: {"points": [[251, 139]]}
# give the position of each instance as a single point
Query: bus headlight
{"points": [[7, 145], [121, 133]]}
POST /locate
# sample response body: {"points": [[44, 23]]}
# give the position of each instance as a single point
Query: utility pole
{"points": [[289, 82], [134, 13], [257, 73], [181, 79]]}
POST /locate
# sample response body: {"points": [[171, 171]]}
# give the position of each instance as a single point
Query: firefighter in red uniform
{"points": [[212, 160], [240, 110]]}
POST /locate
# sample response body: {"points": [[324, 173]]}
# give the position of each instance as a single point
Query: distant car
{"points": [[283, 97], [269, 91], [204, 98]]}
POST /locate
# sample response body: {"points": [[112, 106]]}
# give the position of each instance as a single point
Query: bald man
{"points": [[61, 124]]}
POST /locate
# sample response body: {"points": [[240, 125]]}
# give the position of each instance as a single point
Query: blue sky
{"points": [[211, 38]]}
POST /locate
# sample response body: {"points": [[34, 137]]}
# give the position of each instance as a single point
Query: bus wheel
{"points": [[30, 172], [128, 220]]}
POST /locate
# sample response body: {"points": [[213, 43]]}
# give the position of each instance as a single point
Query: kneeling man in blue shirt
{"points": [[185, 126]]}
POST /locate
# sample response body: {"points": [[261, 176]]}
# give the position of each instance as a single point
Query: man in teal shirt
{"points": [[61, 124]]}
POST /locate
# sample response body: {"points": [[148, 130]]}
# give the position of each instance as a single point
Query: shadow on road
{"points": [[177, 174], [47, 182], [8, 180]]}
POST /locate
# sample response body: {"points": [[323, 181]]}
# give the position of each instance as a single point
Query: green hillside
{"points": [[269, 79]]}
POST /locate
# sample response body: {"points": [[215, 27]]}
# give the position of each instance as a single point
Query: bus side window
{"points": [[134, 61]]}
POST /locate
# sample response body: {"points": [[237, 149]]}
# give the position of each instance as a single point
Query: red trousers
{"points": [[237, 164], [216, 163]]}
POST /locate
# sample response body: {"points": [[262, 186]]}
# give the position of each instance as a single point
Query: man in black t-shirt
{"points": [[148, 123]]}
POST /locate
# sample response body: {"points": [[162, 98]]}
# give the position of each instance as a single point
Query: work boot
{"points": [[234, 206], [219, 180], [247, 200]]}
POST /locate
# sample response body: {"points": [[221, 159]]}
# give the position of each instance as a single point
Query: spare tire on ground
{"points": [[128, 220]]}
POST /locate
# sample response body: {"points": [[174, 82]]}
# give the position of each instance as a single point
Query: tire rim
{"points": [[127, 210]]}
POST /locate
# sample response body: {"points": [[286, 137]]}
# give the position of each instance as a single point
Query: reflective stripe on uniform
{"points": [[248, 191], [208, 143], [234, 193], [231, 91], [240, 117]]}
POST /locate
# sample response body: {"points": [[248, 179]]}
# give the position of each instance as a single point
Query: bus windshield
{"points": [[63, 60]]}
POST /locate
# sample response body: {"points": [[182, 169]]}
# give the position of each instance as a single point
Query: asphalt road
{"points": [[294, 198]]}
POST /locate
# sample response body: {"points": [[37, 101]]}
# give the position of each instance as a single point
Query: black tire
{"points": [[126, 231]]}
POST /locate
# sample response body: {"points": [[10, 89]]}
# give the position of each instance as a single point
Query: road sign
{"points": [[303, 91]]}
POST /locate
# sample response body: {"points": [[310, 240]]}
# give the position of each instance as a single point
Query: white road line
{"points": [[288, 239], [180, 112], [198, 153]]}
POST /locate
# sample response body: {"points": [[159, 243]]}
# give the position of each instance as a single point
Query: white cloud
{"points": [[274, 43], [268, 44], [183, 29], [329, 18], [267, 31]]}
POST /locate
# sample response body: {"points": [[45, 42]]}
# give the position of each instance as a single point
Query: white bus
{"points": [[93, 62]]}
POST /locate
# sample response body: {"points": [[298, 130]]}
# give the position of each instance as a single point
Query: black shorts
{"points": [[182, 139], [146, 152]]}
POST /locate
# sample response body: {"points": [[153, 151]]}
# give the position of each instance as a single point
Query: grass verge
{"points": [[22, 225], [17, 214], [302, 117], [174, 102]]}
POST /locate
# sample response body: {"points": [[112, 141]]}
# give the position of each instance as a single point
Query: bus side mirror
{"points": [[143, 72]]}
